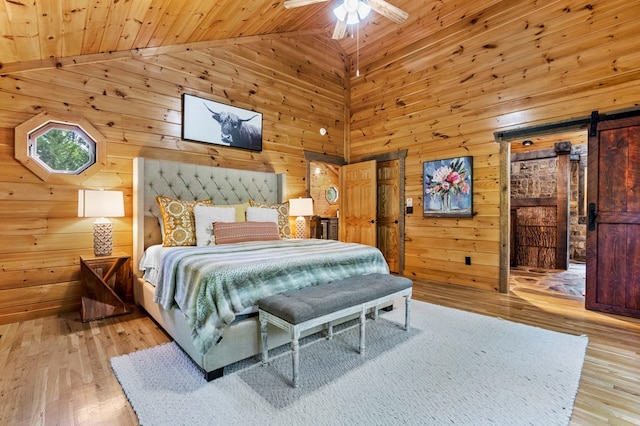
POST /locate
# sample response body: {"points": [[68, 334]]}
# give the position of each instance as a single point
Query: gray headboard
{"points": [[192, 182]]}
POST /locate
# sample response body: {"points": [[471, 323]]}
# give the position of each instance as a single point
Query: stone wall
{"points": [[534, 178], [537, 179]]}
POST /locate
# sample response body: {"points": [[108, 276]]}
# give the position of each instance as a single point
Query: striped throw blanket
{"points": [[212, 284]]}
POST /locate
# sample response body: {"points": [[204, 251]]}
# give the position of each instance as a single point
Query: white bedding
{"points": [[151, 262]]}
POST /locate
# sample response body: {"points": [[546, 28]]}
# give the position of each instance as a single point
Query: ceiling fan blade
{"points": [[340, 30], [390, 11], [289, 4]]}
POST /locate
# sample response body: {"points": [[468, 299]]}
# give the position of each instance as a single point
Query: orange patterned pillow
{"points": [[283, 216], [238, 232], [178, 221]]}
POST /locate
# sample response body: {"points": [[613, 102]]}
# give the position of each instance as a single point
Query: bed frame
{"points": [[241, 339]]}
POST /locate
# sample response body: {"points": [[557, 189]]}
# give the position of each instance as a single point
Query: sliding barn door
{"points": [[613, 236], [358, 190]]}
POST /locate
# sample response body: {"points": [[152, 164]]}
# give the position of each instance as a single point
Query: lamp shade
{"points": [[94, 203], [301, 207]]}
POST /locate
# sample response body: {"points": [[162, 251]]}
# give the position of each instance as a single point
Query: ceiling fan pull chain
{"points": [[358, 49]]}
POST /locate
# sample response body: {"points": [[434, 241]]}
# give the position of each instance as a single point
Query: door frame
{"points": [[504, 139], [310, 156]]}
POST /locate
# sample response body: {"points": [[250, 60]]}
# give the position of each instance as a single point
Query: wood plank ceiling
{"points": [[39, 33]]}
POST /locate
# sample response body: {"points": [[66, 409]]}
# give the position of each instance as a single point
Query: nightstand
{"points": [[107, 286], [329, 228]]}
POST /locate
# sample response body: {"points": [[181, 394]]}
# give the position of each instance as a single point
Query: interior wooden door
{"points": [[613, 236], [388, 212], [358, 203]]}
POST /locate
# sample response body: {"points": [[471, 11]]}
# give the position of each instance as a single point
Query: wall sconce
{"points": [[301, 207], [101, 204], [527, 142]]}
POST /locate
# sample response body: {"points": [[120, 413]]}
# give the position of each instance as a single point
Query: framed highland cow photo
{"points": [[212, 122], [448, 187]]}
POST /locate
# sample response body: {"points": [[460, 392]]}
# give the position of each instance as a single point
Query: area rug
{"points": [[452, 367]]}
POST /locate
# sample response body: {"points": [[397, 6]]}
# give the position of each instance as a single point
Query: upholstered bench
{"points": [[298, 310]]}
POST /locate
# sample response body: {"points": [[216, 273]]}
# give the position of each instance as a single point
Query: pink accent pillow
{"points": [[238, 232]]}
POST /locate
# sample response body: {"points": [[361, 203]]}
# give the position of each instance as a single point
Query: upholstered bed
{"points": [[237, 339]]}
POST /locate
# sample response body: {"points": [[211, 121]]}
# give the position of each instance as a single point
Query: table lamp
{"points": [[301, 207], [101, 204]]}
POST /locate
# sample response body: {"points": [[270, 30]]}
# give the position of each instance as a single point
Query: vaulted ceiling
{"points": [[36, 33]]}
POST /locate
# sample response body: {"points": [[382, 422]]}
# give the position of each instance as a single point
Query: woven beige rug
{"points": [[452, 367]]}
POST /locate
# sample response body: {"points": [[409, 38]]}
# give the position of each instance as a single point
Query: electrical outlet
{"points": [[467, 260]]}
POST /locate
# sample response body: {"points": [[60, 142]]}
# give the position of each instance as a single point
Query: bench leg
{"points": [[330, 330], [263, 341], [407, 312], [375, 313], [362, 330], [295, 357]]}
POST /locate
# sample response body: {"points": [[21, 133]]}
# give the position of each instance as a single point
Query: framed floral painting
{"points": [[448, 187]]}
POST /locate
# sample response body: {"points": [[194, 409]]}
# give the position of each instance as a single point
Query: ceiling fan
{"points": [[353, 11]]}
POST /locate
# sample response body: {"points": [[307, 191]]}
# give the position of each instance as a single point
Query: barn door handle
{"points": [[592, 216]]}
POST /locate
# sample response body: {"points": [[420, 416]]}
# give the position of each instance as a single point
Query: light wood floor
{"points": [[56, 370]]}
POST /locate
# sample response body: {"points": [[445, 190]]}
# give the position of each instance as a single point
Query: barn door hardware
{"points": [[592, 216], [593, 125]]}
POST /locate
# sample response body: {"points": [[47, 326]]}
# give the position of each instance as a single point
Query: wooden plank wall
{"points": [[517, 64], [136, 104]]}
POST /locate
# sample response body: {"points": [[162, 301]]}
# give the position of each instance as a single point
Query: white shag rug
{"points": [[452, 367]]}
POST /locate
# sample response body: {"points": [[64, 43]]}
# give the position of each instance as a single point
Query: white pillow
{"points": [[261, 214], [204, 218]]}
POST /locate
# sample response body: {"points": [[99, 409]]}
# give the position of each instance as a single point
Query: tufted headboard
{"points": [[192, 182]]}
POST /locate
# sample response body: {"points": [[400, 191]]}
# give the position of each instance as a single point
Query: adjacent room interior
{"points": [[535, 262]]}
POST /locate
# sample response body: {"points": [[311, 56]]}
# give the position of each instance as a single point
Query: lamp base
{"points": [[102, 238], [301, 227]]}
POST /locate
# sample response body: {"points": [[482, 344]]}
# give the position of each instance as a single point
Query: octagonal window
{"points": [[62, 148]]}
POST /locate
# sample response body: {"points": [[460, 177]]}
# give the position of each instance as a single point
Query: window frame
{"points": [[25, 132]]}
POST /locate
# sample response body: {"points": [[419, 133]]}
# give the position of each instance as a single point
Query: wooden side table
{"points": [[107, 286]]}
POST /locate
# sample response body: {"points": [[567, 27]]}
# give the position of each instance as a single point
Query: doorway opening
{"points": [[547, 220], [323, 176]]}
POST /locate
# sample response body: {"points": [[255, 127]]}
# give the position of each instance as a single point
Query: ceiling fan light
{"points": [[351, 5], [352, 18], [363, 9], [340, 12]]}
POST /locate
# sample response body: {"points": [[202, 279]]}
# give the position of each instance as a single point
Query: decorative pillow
{"points": [[261, 214], [283, 216], [241, 211], [178, 221], [205, 216], [238, 232]]}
